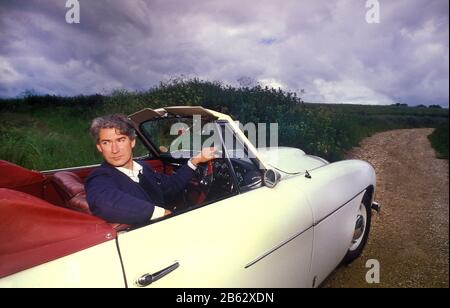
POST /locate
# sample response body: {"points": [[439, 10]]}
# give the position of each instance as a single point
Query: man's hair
{"points": [[118, 121]]}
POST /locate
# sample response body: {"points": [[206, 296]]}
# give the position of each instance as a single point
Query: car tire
{"points": [[360, 236]]}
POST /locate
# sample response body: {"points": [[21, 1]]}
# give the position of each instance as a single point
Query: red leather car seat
{"points": [[71, 188]]}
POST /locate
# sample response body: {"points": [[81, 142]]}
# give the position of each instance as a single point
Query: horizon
{"points": [[30, 93]]}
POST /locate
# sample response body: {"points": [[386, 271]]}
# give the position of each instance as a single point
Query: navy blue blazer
{"points": [[113, 196]]}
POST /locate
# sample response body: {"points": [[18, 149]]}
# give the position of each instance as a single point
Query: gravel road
{"points": [[409, 237]]}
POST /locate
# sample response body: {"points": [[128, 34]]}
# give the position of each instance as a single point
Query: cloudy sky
{"points": [[325, 47]]}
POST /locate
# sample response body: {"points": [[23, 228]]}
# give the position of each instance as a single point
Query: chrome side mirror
{"points": [[271, 178]]}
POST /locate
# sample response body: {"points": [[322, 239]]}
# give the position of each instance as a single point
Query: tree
{"points": [[435, 106]]}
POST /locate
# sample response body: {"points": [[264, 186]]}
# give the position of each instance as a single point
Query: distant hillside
{"points": [[45, 132]]}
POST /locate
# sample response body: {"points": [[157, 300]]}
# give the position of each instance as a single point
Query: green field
{"points": [[47, 132]]}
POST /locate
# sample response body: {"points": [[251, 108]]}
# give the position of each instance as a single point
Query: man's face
{"points": [[116, 148]]}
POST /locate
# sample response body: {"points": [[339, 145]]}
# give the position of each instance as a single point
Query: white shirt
{"points": [[134, 175]]}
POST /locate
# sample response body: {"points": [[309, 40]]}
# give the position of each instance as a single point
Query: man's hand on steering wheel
{"points": [[204, 176], [206, 155]]}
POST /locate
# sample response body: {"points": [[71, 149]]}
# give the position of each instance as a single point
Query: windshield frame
{"points": [[155, 147]]}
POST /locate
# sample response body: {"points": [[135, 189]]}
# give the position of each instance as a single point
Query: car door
{"points": [[260, 237], [248, 240]]}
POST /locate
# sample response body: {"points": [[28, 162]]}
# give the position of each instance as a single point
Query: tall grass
{"points": [[46, 132], [46, 138]]}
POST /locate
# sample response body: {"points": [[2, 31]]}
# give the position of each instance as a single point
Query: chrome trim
{"points": [[326, 162], [296, 173], [359, 228], [275, 248], [314, 282], [148, 279], [293, 237], [139, 158], [70, 168], [376, 206], [340, 207]]}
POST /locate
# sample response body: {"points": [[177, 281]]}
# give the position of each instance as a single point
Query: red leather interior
{"points": [[33, 231], [51, 194], [71, 189], [63, 188], [156, 165]]}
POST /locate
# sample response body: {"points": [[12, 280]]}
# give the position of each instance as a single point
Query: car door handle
{"points": [[148, 279]]}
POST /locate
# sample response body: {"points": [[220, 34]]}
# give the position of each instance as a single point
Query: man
{"points": [[124, 191]]}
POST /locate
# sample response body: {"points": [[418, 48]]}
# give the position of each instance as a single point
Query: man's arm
{"points": [[171, 185], [204, 156], [114, 205]]}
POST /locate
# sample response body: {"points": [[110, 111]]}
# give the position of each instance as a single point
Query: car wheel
{"points": [[361, 232]]}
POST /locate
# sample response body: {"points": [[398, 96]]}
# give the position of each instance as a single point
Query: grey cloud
{"points": [[324, 47]]}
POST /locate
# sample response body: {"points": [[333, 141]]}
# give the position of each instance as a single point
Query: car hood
{"points": [[290, 160]]}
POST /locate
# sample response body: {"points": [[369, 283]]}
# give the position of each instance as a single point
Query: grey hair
{"points": [[117, 121]]}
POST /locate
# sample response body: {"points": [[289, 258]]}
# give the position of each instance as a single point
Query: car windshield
{"points": [[180, 137]]}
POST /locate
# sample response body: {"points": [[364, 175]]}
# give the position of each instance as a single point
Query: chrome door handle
{"points": [[148, 279]]}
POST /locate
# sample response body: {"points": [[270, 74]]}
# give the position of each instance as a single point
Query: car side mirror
{"points": [[271, 178]]}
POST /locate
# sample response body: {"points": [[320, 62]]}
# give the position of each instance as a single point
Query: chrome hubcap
{"points": [[360, 227]]}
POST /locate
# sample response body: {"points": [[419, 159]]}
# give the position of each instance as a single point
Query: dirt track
{"points": [[410, 236]]}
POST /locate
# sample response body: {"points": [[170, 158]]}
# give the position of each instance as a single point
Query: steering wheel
{"points": [[206, 172], [200, 184]]}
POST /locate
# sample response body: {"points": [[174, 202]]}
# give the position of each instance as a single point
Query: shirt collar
{"points": [[137, 168]]}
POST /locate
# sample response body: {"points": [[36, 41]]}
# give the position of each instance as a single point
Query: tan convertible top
{"points": [[148, 114], [182, 111]]}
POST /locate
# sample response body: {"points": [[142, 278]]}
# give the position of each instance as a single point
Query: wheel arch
{"points": [[369, 195]]}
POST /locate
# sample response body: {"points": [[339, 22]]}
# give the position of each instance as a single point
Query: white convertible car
{"points": [[271, 217]]}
